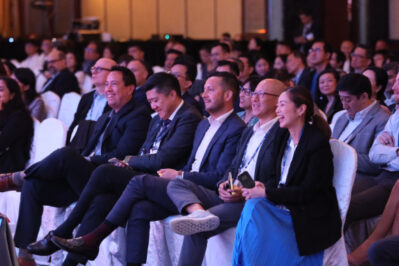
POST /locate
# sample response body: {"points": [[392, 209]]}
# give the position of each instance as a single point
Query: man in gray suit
{"points": [[363, 121]]}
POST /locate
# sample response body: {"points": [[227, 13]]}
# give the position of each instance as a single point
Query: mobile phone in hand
{"points": [[246, 180]]}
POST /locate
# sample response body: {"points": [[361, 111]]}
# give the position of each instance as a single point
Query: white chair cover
{"points": [[87, 85], [36, 125], [345, 166], [68, 107], [52, 103]]}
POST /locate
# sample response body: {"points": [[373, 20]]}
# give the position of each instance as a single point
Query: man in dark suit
{"points": [[145, 198], [93, 104], [185, 71], [62, 81], [141, 71], [296, 65], [307, 32], [168, 144], [224, 206], [59, 179]]}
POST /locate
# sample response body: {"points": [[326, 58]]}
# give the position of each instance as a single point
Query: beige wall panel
{"points": [[229, 17], [144, 18], [94, 8], [172, 16], [118, 19], [201, 19]]}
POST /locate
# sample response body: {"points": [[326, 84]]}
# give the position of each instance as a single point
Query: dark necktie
{"points": [[158, 138]]}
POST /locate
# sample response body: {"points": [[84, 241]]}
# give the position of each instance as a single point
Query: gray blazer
{"points": [[363, 136]]}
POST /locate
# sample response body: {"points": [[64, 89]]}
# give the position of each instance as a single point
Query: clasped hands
{"points": [[385, 139]]}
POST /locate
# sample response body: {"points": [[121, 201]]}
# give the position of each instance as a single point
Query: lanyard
{"points": [[244, 165]]}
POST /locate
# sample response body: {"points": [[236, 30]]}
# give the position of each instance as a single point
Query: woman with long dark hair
{"points": [[16, 127], [27, 84], [292, 215]]}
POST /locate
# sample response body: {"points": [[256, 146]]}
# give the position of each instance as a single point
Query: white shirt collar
{"points": [[221, 118], [359, 116], [176, 110]]}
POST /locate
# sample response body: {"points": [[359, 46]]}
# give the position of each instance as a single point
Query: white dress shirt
{"points": [[253, 147], [355, 122], [214, 125], [384, 154], [287, 159]]}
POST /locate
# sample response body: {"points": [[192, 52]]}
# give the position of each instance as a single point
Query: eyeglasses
{"points": [[99, 69], [357, 55], [53, 61], [246, 92], [316, 50], [262, 94]]}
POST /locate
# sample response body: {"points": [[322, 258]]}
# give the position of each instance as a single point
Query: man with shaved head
{"points": [[92, 105], [211, 213]]}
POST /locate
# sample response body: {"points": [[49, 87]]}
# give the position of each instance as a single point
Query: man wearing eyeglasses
{"points": [[360, 59], [91, 55], [212, 212], [62, 80]]}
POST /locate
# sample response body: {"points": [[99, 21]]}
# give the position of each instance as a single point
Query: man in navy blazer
{"points": [[59, 179], [145, 198], [168, 144]]}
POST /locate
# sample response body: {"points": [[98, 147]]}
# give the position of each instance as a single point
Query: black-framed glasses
{"points": [[316, 50], [246, 92], [262, 94], [357, 55], [99, 69], [53, 61]]}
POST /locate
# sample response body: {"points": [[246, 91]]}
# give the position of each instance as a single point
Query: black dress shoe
{"points": [[43, 247], [76, 245]]}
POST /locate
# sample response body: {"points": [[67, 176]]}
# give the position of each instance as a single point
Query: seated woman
{"points": [[16, 128], [245, 100], [329, 101], [388, 225], [262, 66], [27, 83], [292, 215]]}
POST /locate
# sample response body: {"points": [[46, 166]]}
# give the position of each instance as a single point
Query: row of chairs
{"points": [[63, 109]]}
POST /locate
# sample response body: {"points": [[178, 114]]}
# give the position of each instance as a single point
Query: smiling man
{"points": [[168, 145], [59, 179]]}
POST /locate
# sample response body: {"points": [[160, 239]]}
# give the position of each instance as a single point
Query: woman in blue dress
{"points": [[292, 215]]}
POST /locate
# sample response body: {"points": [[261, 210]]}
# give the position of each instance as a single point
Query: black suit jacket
{"points": [[308, 193], [63, 83], [124, 135], [175, 146], [81, 112], [15, 141], [219, 153], [190, 99], [306, 78]]}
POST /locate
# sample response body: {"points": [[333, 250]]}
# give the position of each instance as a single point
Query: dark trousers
{"points": [[144, 200], [103, 189], [385, 252], [370, 195], [56, 181], [183, 193]]}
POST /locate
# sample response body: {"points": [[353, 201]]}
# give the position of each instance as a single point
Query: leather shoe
{"points": [[43, 247], [26, 262], [76, 245], [6, 183]]}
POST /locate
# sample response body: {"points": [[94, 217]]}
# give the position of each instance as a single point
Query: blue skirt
{"points": [[265, 236]]}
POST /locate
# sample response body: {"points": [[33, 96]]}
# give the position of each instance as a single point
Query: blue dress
{"points": [[265, 236]]}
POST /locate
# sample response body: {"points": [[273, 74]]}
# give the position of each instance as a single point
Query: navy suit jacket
{"points": [[63, 83], [219, 153], [124, 135], [175, 146]]}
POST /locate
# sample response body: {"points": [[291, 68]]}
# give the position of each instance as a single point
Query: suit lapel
{"points": [[201, 130], [269, 138], [369, 116], [340, 126]]}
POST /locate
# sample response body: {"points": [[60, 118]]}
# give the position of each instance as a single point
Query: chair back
{"points": [[51, 136], [68, 107], [52, 102], [36, 126]]}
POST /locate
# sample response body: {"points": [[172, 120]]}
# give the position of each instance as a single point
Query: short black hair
{"points": [[369, 52], [124, 58], [224, 46], [232, 65], [191, 68], [230, 82], [326, 46], [173, 51], [300, 55], [340, 55], [381, 77], [127, 75], [253, 82], [355, 84], [143, 63], [305, 11], [163, 83], [27, 77], [331, 71], [248, 57]]}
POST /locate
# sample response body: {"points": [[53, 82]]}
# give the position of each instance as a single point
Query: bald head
{"points": [[264, 99], [100, 71]]}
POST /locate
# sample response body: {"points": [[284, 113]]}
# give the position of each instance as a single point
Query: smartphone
{"points": [[246, 180]]}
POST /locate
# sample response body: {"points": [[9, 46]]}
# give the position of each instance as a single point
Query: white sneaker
{"points": [[198, 221]]}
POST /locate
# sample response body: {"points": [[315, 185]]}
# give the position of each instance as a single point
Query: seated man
{"points": [[363, 120], [145, 198], [59, 179], [168, 144], [92, 105], [370, 200]]}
